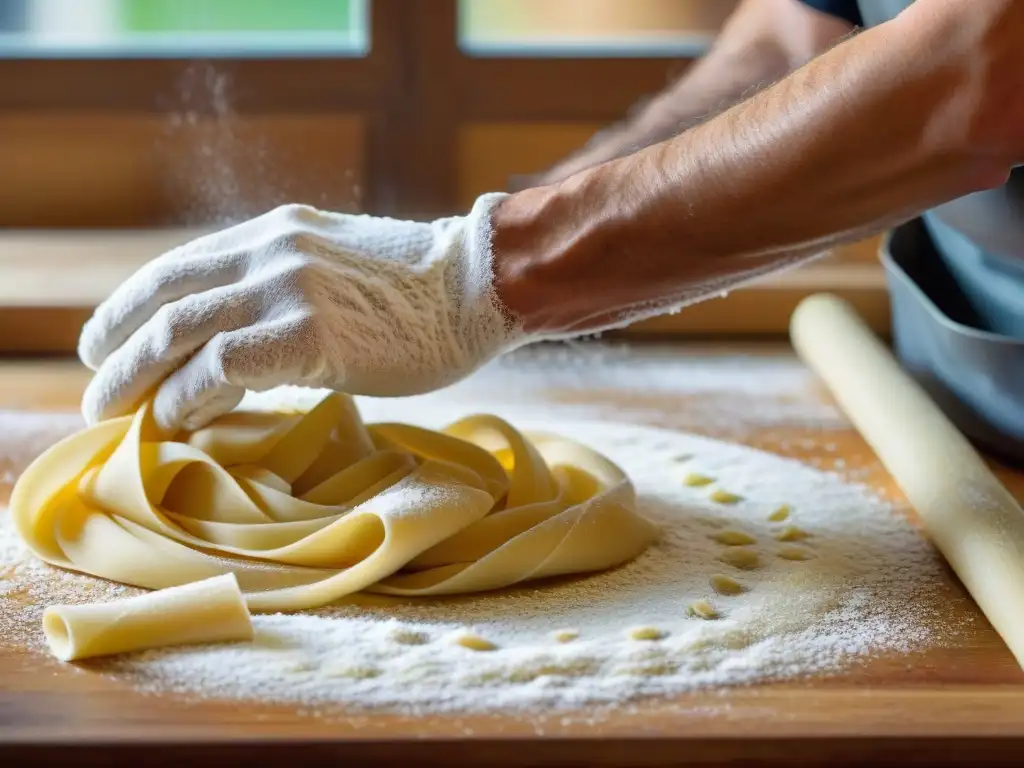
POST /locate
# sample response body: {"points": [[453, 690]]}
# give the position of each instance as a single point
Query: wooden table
{"points": [[961, 705]]}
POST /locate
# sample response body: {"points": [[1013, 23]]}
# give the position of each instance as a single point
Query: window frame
{"points": [[416, 88]]}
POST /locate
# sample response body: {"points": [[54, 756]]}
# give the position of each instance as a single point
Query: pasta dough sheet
{"points": [[305, 507]]}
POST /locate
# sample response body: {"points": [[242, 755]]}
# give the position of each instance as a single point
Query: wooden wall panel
{"points": [[77, 268], [115, 169], [490, 153]]}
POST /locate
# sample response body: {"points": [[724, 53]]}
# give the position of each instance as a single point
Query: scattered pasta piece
{"points": [[20, 594], [792, 533], [352, 673], [695, 480], [299, 663], [726, 585], [702, 609], [736, 639], [475, 643], [410, 637], [721, 496], [779, 514], [529, 672], [566, 635], [647, 633], [733, 538], [657, 669], [794, 553], [744, 559]]}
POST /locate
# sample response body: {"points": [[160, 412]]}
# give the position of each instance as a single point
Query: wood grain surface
{"points": [[954, 705]]}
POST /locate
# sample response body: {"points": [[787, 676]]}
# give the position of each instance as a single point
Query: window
{"points": [[155, 115], [213, 28], [163, 112], [589, 27]]}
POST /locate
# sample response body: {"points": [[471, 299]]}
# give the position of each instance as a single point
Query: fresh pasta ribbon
{"points": [[304, 508]]}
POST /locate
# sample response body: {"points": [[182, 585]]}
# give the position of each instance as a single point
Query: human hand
{"points": [[359, 304]]}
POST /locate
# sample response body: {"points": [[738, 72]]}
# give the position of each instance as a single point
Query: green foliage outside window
{"points": [[236, 15]]}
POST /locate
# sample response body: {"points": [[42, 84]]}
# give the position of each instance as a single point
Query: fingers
{"points": [[215, 378], [169, 278], [199, 391], [171, 335]]}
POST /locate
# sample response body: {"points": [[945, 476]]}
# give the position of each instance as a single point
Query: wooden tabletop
{"points": [[953, 705]]}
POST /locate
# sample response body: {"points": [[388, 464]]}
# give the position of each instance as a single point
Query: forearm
{"points": [[762, 41], [871, 133], [714, 83]]}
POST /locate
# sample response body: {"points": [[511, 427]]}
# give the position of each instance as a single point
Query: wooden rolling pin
{"points": [[969, 515]]}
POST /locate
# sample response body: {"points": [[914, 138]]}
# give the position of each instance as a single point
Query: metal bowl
{"points": [[942, 338]]}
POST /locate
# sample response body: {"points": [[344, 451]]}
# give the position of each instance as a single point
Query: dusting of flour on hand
{"points": [[869, 587]]}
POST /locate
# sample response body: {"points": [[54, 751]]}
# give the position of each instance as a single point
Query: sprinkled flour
{"points": [[869, 586], [647, 383]]}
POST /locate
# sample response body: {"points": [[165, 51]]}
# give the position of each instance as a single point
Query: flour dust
{"points": [[869, 587]]}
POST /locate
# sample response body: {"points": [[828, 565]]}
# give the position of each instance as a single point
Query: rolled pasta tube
{"points": [[208, 611], [969, 515]]}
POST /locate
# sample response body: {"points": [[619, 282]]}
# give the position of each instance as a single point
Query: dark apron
{"points": [[956, 280]]}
